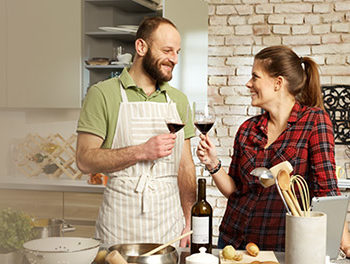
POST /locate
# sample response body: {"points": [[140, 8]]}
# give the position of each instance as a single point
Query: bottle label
{"points": [[200, 227]]}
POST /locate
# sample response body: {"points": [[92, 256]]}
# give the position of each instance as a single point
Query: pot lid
{"points": [[202, 258]]}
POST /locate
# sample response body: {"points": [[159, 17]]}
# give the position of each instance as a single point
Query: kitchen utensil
{"points": [[284, 183], [281, 195], [267, 181], [202, 258], [263, 174], [167, 244], [114, 257], [132, 253], [57, 250], [303, 191], [46, 227]]}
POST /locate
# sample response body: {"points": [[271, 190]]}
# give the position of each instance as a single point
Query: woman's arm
{"points": [[206, 153]]}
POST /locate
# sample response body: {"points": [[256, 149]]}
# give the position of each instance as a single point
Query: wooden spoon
{"points": [[284, 183], [166, 244]]}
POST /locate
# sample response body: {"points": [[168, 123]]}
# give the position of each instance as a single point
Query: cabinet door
{"points": [[81, 210], [3, 48], [44, 53], [39, 204]]}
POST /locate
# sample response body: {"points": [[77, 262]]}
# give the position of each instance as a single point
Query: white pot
{"points": [[14, 257], [61, 250], [202, 258]]}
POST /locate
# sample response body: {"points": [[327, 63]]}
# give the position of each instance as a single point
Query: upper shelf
{"points": [[134, 6], [123, 36], [102, 67]]}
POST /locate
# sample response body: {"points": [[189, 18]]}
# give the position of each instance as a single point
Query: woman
{"points": [[294, 127]]}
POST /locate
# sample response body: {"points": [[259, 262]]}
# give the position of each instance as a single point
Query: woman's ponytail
{"points": [[311, 93]]}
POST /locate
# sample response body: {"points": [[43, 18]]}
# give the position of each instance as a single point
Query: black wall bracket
{"points": [[337, 104]]}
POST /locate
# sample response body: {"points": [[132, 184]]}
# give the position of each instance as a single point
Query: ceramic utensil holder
{"points": [[306, 239]]}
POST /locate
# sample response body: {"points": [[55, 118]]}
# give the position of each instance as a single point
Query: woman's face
{"points": [[261, 86]]}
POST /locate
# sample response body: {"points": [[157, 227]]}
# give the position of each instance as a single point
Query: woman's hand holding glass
{"points": [[206, 152]]}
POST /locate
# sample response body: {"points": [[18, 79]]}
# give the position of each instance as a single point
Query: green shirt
{"points": [[99, 114]]}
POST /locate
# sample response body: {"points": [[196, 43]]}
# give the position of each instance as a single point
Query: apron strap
{"points": [[122, 92]]}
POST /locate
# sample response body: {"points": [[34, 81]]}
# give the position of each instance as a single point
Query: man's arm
{"points": [[187, 187], [91, 158]]}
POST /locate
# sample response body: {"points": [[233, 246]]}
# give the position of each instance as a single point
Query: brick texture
{"points": [[237, 30]]}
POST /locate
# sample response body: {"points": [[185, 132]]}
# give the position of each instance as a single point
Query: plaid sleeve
{"points": [[321, 149]]}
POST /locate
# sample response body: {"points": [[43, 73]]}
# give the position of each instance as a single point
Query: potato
{"points": [[238, 256], [100, 257], [252, 249], [229, 252]]}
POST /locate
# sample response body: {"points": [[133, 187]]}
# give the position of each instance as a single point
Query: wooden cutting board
{"points": [[263, 256]]}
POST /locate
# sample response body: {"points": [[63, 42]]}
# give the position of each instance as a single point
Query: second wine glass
{"points": [[204, 117]]}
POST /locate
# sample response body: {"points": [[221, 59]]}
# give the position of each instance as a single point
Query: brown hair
{"points": [[149, 25], [302, 82]]}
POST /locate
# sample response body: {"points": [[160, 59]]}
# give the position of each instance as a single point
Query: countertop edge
{"points": [[64, 185]]}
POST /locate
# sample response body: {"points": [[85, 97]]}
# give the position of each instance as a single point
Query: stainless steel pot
{"points": [[46, 227], [132, 253]]}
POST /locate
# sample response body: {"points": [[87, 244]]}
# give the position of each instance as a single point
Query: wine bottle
{"points": [[201, 221]]}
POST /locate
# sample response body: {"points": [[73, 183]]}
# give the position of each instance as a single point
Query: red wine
{"points": [[204, 127], [201, 221], [174, 127]]}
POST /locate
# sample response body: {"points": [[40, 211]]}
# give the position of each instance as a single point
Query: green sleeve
{"points": [[93, 115]]}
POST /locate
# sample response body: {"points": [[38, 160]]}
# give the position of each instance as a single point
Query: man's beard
{"points": [[153, 67]]}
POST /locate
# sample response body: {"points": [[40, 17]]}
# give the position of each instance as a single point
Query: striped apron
{"points": [[141, 203]]}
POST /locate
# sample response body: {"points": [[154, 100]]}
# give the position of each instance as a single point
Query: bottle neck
{"points": [[201, 189]]}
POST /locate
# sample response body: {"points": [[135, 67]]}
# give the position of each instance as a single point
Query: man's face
{"points": [[162, 53]]}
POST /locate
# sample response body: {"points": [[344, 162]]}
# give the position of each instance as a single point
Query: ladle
{"points": [[282, 197], [263, 174], [284, 183]]}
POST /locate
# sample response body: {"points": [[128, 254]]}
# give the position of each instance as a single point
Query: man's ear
{"points": [[141, 47]]}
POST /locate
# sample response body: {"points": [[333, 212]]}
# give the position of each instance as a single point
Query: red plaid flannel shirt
{"points": [[257, 214]]}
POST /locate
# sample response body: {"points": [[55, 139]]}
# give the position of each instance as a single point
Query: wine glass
{"points": [[204, 119], [174, 125]]}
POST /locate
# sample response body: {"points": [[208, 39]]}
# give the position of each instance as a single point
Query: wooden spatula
{"points": [[166, 244]]}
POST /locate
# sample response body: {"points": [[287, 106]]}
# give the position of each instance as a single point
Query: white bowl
{"points": [[124, 58], [59, 250]]}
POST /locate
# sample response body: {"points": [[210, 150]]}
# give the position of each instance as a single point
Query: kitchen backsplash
{"points": [[17, 124]]}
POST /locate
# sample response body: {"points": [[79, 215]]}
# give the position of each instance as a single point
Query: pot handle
{"points": [[68, 228]]}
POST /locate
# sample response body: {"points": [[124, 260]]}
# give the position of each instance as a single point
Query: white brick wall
{"points": [[238, 29]]}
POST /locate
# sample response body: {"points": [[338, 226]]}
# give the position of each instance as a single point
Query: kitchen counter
{"points": [[43, 183], [47, 184]]}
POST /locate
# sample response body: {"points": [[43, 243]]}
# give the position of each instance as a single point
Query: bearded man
{"points": [[122, 133]]}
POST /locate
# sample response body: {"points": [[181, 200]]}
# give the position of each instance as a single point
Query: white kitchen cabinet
{"points": [[3, 44], [190, 75], [43, 53]]}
